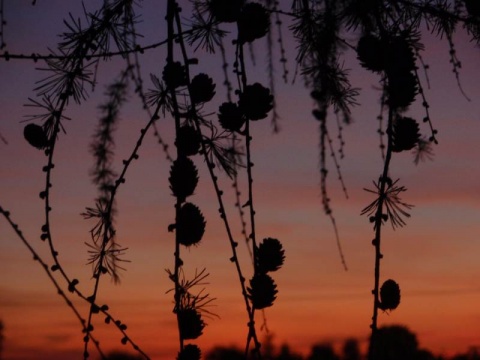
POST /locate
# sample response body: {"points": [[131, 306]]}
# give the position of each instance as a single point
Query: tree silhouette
{"points": [[351, 350], [398, 342], [473, 354], [394, 343], [323, 352], [423, 354], [285, 353], [118, 355], [223, 353], [384, 36], [2, 338]]}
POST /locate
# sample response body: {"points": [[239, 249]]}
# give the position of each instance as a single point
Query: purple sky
{"points": [[434, 258]]}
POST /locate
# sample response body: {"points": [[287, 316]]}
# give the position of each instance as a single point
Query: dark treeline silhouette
{"points": [[397, 343], [118, 355], [1, 338]]}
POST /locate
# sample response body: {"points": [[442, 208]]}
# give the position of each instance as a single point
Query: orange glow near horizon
{"points": [[434, 258]]}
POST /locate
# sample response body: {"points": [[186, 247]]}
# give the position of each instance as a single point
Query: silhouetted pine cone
{"points": [[190, 352], [190, 323], [402, 88], [270, 255], [262, 291], [253, 22], [226, 11], [319, 115], [399, 55], [183, 178], [231, 117], [389, 295], [190, 225], [371, 53], [188, 140], [473, 7], [35, 135], [202, 88], [405, 134], [174, 75], [256, 101]]}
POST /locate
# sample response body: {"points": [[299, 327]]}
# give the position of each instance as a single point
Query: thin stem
{"points": [[252, 236], [241, 213], [172, 9], [378, 229], [72, 288], [74, 67], [101, 55], [219, 193], [118, 182], [36, 257], [233, 245], [211, 166]]}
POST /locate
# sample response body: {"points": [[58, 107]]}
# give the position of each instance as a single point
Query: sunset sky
{"points": [[434, 258]]}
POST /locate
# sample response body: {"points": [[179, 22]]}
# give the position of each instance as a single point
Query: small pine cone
{"points": [[256, 101], [231, 117], [35, 135], [190, 225], [371, 53], [473, 7], [270, 255], [399, 55], [253, 22], [188, 140], [405, 134], [389, 295], [402, 88], [262, 291], [183, 178], [190, 352], [174, 75], [202, 88], [226, 11], [190, 324], [319, 115]]}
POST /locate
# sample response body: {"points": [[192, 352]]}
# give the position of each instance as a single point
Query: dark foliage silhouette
{"points": [[285, 353], [117, 355], [471, 355], [394, 343], [397, 342], [2, 337], [323, 352], [351, 350], [223, 353]]}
